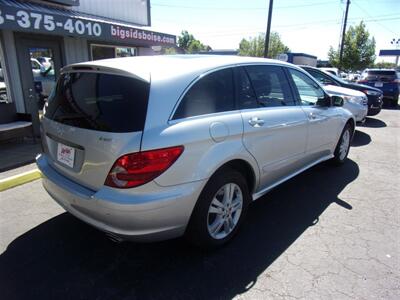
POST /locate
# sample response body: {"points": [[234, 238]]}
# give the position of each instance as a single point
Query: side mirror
{"points": [[324, 102], [337, 100]]}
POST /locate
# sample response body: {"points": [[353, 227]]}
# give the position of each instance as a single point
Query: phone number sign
{"points": [[36, 21]]}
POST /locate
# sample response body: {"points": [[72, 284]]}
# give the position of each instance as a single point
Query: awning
{"points": [[39, 18], [390, 52]]}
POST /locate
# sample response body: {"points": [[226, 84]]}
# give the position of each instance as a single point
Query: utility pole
{"points": [[343, 32], [271, 3]]}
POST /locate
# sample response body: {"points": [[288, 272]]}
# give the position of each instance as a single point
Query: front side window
{"points": [[309, 91], [211, 94], [271, 86]]}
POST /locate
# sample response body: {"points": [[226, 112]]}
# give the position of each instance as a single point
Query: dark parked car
{"points": [[374, 95], [388, 81]]}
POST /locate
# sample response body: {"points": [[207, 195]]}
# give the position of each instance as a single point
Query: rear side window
{"points": [[98, 101], [211, 94], [271, 86]]}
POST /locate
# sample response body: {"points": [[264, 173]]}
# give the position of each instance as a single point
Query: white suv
{"points": [[150, 148]]}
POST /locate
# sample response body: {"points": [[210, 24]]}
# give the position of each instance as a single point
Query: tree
{"points": [[358, 50], [255, 46], [384, 65], [185, 39], [189, 44]]}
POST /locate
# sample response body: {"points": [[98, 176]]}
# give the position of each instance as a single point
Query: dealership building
{"points": [[39, 37]]}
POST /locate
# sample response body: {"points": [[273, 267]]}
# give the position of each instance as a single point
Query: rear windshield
{"points": [[102, 102], [384, 73]]}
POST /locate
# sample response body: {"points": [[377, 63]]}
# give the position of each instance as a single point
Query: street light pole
{"points": [[266, 46], [396, 43], [343, 33]]}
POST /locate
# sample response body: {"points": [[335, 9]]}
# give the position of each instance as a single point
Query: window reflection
{"points": [[108, 51], [43, 73], [3, 86]]}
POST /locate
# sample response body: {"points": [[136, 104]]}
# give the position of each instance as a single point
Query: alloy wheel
{"points": [[344, 145], [224, 211]]}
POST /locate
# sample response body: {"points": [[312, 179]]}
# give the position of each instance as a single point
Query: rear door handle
{"points": [[256, 122]]}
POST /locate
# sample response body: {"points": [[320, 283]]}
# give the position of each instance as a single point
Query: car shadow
{"points": [[374, 123], [387, 105], [360, 138], [64, 258]]}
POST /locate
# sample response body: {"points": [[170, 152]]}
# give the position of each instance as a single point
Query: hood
{"points": [[359, 87], [341, 91]]}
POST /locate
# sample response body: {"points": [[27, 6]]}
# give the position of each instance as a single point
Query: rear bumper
{"points": [[146, 213], [391, 95]]}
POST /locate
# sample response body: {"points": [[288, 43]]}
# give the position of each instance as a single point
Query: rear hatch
{"points": [[92, 118], [381, 79]]}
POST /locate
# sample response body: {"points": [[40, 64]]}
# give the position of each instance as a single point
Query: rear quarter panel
{"points": [[206, 148]]}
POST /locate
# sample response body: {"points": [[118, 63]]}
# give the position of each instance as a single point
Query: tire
{"points": [[343, 145], [214, 221], [394, 101]]}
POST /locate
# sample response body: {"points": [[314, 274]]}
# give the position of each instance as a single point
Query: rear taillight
{"points": [[396, 81], [138, 168], [362, 81]]}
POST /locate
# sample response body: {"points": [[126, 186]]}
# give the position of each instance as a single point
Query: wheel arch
{"points": [[242, 167], [352, 123]]}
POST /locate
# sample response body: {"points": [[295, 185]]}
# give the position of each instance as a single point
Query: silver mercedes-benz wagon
{"points": [[150, 148]]}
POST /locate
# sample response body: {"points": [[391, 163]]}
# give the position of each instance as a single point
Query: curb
{"points": [[19, 179], [17, 165]]}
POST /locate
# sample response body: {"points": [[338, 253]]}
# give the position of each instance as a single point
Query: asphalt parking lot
{"points": [[329, 233]]}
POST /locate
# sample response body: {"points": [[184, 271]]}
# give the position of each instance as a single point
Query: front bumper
{"points": [[374, 104], [146, 213], [359, 111]]}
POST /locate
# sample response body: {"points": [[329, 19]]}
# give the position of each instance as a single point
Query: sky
{"points": [[307, 26]]}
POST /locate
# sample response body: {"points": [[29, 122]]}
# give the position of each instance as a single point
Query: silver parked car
{"points": [[355, 101], [150, 148]]}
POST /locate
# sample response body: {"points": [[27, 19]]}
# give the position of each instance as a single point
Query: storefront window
{"points": [[107, 51], [125, 51]]}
